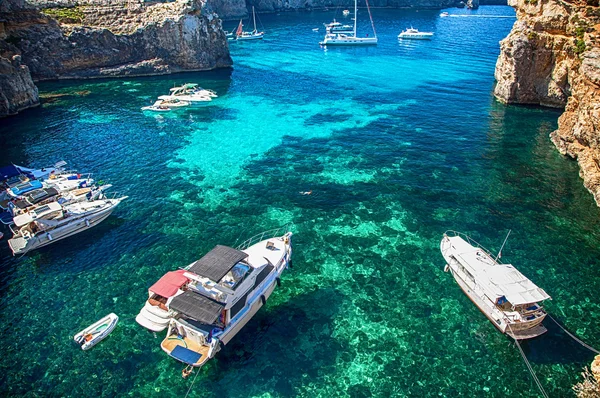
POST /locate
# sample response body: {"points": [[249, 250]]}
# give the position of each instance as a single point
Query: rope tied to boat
{"points": [[533, 375], [191, 385], [573, 336]]}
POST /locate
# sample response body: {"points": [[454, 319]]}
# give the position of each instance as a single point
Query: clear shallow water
{"points": [[398, 144]]}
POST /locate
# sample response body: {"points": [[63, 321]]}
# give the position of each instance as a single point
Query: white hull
{"points": [[255, 302], [500, 319], [350, 41], [253, 37], [96, 332], [20, 245]]}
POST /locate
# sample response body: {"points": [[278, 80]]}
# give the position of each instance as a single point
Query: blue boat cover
{"points": [[8, 172], [185, 355], [26, 187]]}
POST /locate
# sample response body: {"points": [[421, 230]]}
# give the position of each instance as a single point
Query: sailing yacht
{"points": [[207, 303], [254, 35], [505, 296], [343, 39]]}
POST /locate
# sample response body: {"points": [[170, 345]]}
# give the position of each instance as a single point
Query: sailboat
{"points": [[344, 39], [241, 35]]}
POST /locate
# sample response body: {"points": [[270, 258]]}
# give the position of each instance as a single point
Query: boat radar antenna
{"points": [[502, 247]]}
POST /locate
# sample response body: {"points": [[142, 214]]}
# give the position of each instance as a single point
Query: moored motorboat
{"points": [[96, 332], [505, 296], [190, 92], [346, 13], [43, 225], [338, 27], [214, 297], [444, 14], [412, 33]]}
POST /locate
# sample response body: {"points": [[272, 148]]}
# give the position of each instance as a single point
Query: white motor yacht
{"points": [[190, 92], [338, 27], [214, 297], [505, 296], [166, 103], [43, 225], [412, 33]]}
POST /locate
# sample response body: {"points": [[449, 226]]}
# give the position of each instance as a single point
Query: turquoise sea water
{"points": [[398, 143]]}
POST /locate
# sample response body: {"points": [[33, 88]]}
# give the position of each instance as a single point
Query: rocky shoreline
{"points": [[107, 39], [552, 58]]}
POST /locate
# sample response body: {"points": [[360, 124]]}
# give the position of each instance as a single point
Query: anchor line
{"points": [[193, 381], [574, 337], [533, 375]]}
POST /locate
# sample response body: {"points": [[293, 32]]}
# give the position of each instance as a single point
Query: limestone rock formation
{"points": [[552, 58], [118, 39], [590, 386]]}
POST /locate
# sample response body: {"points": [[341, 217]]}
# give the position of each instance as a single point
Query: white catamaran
{"points": [[505, 296], [344, 39], [206, 304]]}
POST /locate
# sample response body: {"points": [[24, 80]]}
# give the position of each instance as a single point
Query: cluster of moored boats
{"points": [[206, 303], [43, 206], [180, 97]]}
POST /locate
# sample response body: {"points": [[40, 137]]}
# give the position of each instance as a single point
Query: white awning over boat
{"points": [[507, 281], [496, 279]]}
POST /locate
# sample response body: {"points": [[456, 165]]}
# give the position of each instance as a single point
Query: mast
{"points": [[371, 18], [355, 20], [503, 243], [254, 17]]}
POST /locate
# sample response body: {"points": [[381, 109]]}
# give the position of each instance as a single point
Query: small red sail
{"points": [[239, 30]]}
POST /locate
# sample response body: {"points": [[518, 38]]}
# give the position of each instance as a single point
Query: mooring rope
{"points": [[533, 375], [574, 337], [193, 381]]}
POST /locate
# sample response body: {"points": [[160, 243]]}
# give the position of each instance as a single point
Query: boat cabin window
{"points": [[38, 194], [234, 277], [41, 210]]}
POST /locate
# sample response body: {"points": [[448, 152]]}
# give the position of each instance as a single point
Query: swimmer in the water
{"points": [[305, 192]]}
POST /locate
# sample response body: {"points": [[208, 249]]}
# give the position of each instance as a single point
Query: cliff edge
{"points": [[552, 58], [43, 40]]}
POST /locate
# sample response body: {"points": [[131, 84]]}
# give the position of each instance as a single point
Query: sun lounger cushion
{"points": [[185, 355]]}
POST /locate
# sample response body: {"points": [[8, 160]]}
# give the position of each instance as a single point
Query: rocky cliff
{"points": [[100, 38], [552, 58]]}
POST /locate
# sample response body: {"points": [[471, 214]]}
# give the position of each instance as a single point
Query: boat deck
{"points": [[171, 342], [528, 333]]}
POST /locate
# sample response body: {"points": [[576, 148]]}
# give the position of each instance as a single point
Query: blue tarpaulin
{"points": [[8, 172]]}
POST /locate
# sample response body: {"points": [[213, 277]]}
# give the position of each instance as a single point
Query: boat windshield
{"points": [[235, 276]]}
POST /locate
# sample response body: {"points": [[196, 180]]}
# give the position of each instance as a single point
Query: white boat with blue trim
{"points": [[506, 297], [212, 299]]}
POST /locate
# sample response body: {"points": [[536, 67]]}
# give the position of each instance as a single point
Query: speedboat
{"points": [[412, 33], [190, 92], [337, 27], [206, 304], [444, 14], [505, 296], [165, 103], [96, 332], [346, 13], [46, 224]]}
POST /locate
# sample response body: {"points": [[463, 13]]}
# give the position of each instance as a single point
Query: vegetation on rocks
{"points": [[66, 15]]}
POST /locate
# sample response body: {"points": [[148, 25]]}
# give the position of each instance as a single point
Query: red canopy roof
{"points": [[168, 285]]}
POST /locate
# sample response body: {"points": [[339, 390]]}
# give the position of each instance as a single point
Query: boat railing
{"points": [[469, 240], [271, 233]]}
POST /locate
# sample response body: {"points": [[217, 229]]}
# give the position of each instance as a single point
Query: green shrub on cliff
{"points": [[579, 46], [66, 15]]}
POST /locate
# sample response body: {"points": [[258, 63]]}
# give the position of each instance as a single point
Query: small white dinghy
{"points": [[95, 333]]}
